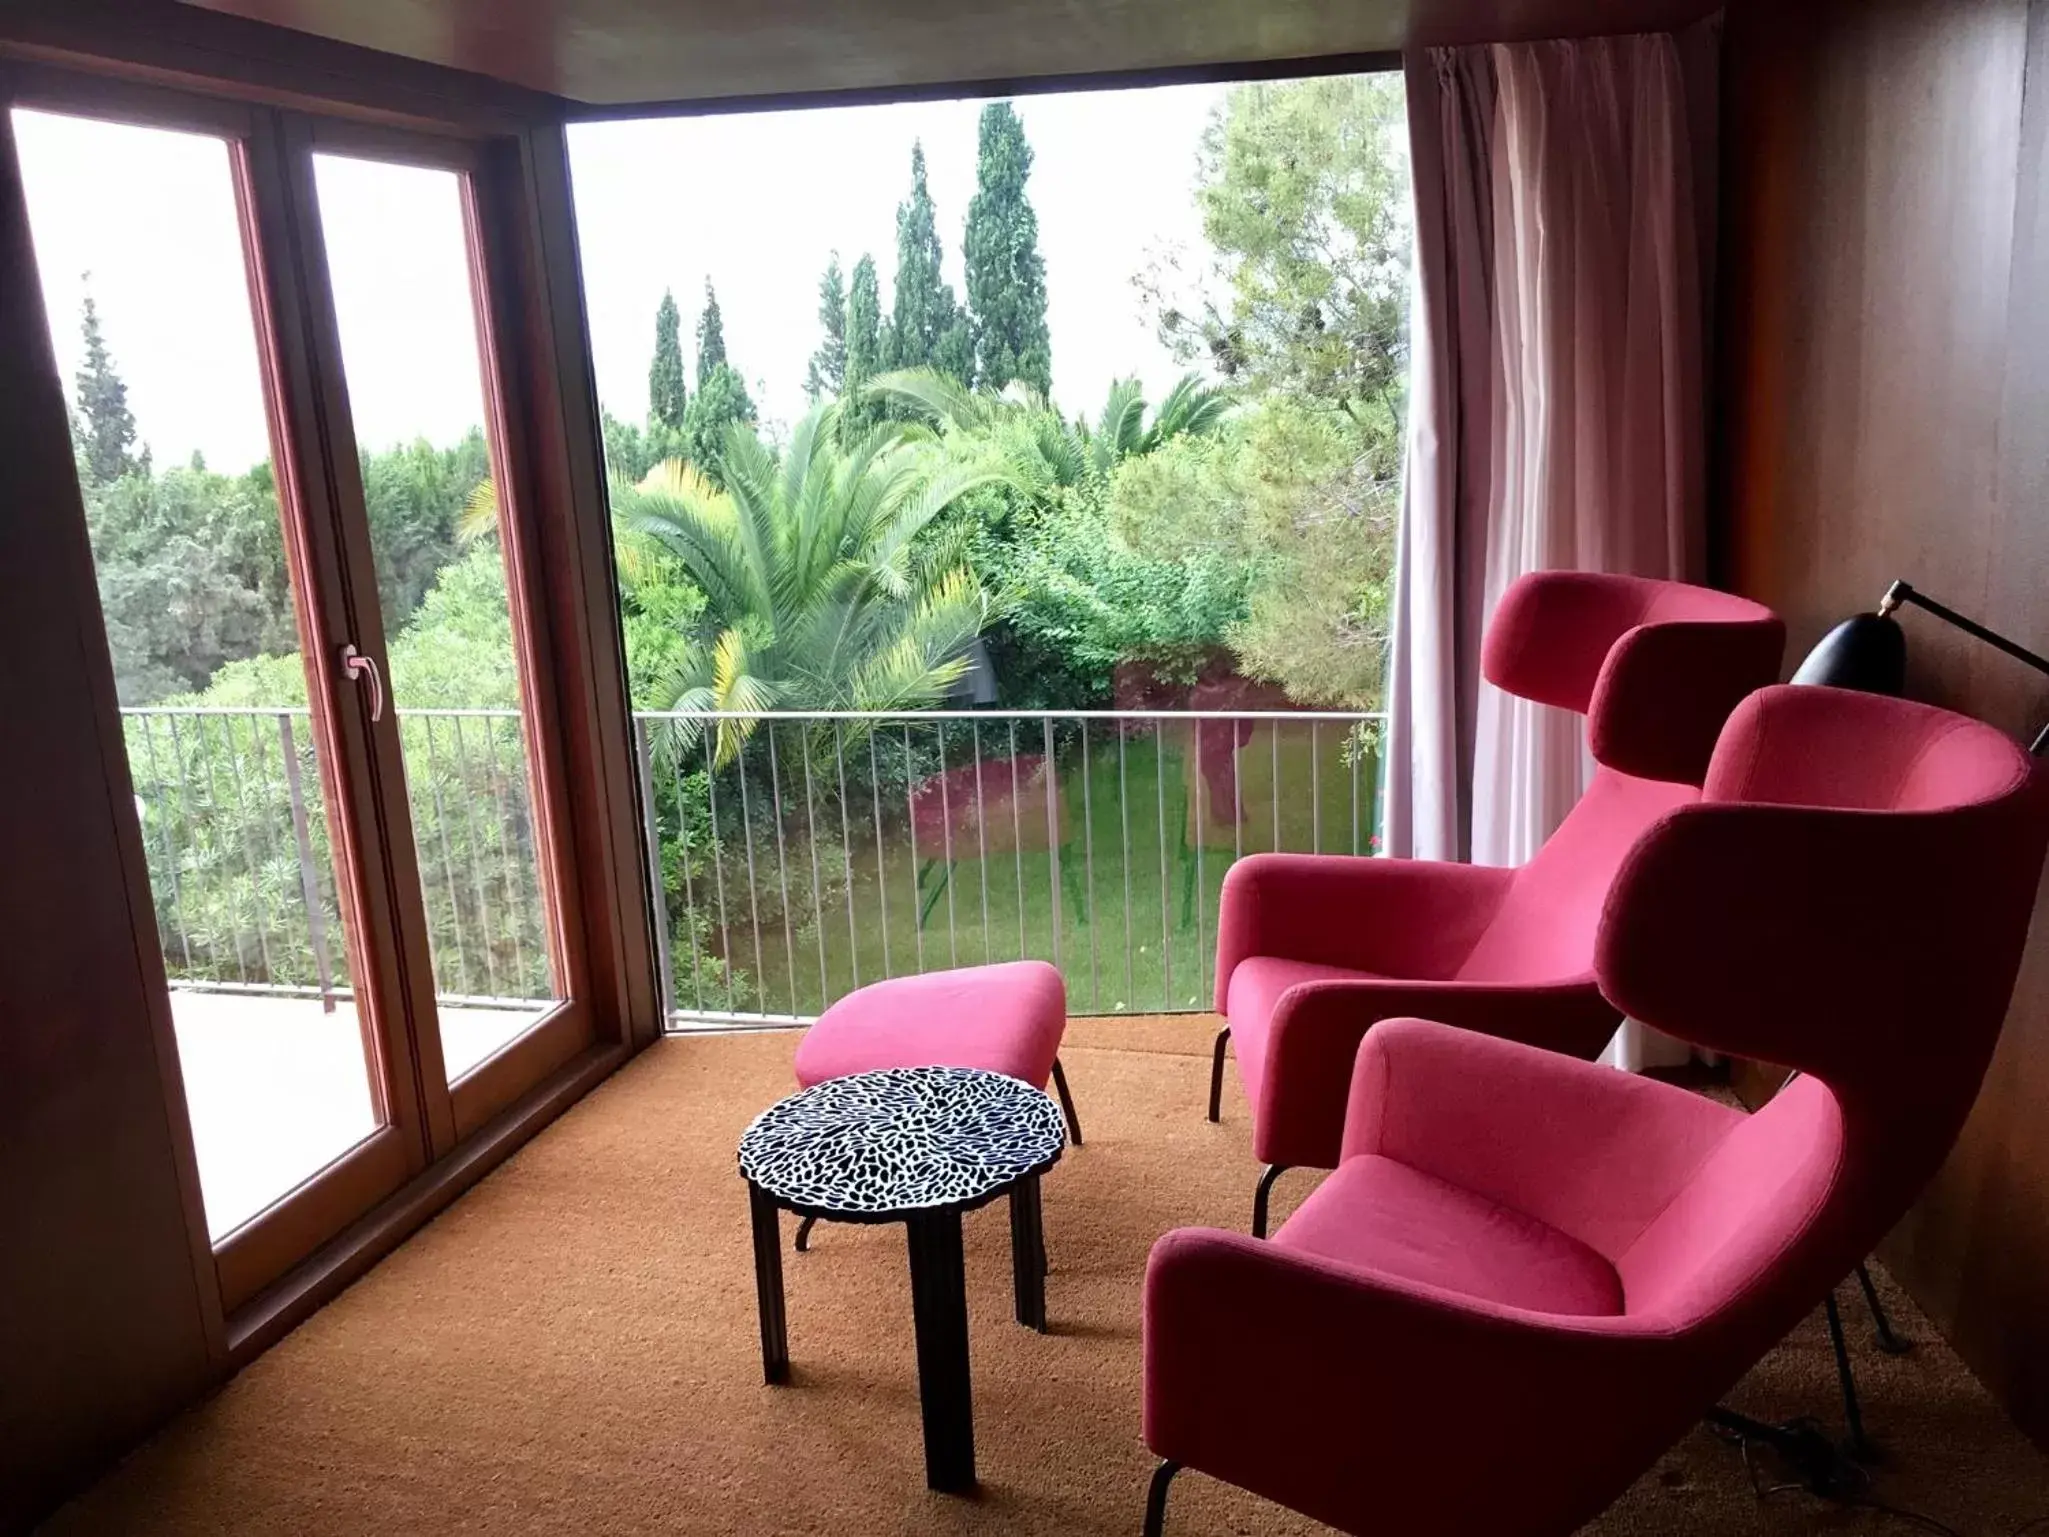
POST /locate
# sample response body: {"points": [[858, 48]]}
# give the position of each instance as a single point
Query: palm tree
{"points": [[823, 589], [1190, 408], [1040, 447]]}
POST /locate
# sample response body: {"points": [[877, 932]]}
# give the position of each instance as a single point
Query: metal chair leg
{"points": [[1156, 1497], [1888, 1341], [804, 1234], [1216, 1074], [1853, 1413], [1259, 1197], [1066, 1103]]}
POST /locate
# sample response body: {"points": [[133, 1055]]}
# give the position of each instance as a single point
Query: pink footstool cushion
{"points": [[1006, 1018]]}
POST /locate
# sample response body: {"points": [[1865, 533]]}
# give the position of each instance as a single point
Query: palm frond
{"points": [[1190, 409], [735, 686], [938, 398], [752, 483], [930, 654], [479, 516], [937, 493], [679, 510], [1121, 429], [830, 573]]}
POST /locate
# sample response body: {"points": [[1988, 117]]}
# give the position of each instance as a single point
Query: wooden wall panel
{"points": [[1884, 409], [107, 1317]]}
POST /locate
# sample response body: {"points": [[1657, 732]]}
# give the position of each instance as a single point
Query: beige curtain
{"points": [[1557, 417], [1597, 424]]}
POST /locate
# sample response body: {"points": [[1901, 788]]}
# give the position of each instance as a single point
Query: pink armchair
{"points": [[1529, 1275], [1313, 950]]}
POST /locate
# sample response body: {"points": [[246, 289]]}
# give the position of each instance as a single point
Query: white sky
{"points": [[757, 201], [152, 216]]}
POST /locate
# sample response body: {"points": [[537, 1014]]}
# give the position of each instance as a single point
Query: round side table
{"points": [[920, 1146]]}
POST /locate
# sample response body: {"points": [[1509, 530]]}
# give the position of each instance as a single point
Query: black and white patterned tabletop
{"points": [[875, 1146]]}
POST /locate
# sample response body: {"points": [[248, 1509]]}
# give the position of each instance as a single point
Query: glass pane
{"points": [[398, 256], [1190, 386], [155, 339]]}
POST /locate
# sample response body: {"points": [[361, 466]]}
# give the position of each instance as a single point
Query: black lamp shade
{"points": [[1868, 653]]}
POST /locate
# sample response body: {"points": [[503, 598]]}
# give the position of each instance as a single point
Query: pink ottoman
{"points": [[1007, 1018]]}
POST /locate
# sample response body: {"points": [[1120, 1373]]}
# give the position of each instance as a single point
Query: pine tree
{"points": [[105, 428], [711, 337], [666, 394], [1006, 275], [925, 329], [828, 372]]}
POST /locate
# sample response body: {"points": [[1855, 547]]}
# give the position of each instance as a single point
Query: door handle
{"points": [[358, 666]]}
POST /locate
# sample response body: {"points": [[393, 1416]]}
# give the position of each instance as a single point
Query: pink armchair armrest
{"points": [[1414, 917], [1361, 1399]]}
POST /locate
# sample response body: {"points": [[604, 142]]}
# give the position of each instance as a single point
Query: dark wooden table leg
{"points": [[768, 1285], [939, 1310], [1028, 1254]]}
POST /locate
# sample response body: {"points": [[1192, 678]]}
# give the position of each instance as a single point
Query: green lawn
{"points": [[1125, 904]]}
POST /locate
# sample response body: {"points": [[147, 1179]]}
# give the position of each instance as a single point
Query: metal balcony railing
{"points": [[235, 827], [798, 854], [802, 854]]}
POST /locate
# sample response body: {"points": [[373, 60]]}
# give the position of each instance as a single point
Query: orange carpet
{"points": [[572, 1349]]}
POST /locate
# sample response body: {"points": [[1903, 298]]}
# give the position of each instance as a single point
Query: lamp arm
{"points": [[1900, 593]]}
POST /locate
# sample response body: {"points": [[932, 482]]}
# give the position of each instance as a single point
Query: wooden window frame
{"points": [[542, 426]]}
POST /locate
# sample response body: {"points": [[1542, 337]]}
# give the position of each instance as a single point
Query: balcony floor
{"points": [[572, 1348], [277, 1087]]}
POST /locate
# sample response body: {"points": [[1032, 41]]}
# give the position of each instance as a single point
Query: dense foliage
{"points": [[1304, 198], [1254, 520], [191, 564]]}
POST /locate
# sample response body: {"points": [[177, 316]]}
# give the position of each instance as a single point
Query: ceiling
{"points": [[611, 54]]}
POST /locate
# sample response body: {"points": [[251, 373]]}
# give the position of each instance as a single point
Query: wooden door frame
{"points": [[529, 291], [335, 588]]}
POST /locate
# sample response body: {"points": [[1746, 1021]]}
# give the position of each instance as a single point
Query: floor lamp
{"points": [[1869, 651]]}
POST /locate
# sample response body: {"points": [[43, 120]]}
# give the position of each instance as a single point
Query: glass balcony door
{"points": [[419, 382], [320, 603]]}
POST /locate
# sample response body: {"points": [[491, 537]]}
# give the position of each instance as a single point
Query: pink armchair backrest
{"points": [[1851, 898], [1655, 666]]}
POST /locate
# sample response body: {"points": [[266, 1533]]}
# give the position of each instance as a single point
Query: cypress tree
{"points": [[666, 393], [721, 400], [711, 337], [926, 328], [106, 427], [1006, 275], [828, 373], [864, 340]]}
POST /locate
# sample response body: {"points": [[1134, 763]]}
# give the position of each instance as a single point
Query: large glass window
{"points": [[1005, 496]]}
